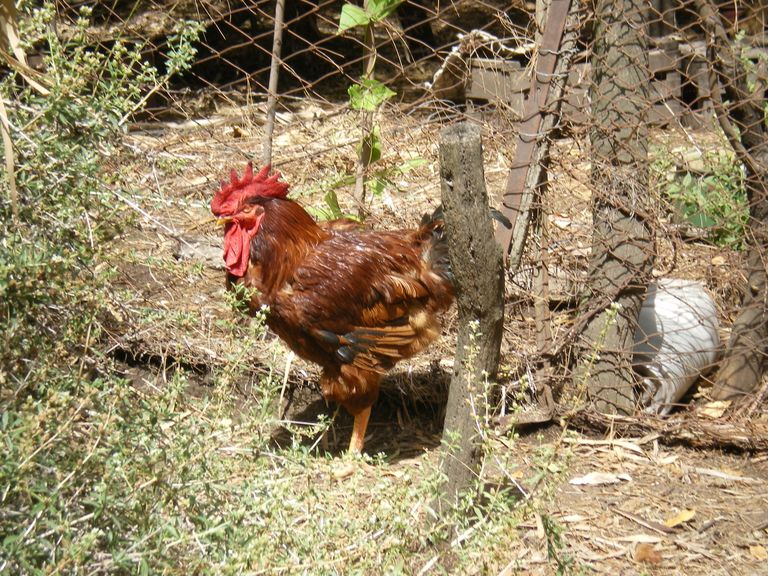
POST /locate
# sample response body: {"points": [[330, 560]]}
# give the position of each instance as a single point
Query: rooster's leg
{"points": [[358, 431]]}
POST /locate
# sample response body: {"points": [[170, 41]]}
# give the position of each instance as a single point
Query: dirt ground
{"points": [[627, 505]]}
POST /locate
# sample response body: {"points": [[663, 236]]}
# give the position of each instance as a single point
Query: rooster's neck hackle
{"points": [[286, 236]]}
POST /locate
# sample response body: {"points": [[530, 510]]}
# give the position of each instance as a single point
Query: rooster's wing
{"points": [[364, 298]]}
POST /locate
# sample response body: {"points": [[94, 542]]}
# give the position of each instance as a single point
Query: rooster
{"points": [[352, 300]]}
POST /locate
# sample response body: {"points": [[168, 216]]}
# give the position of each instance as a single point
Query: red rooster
{"points": [[352, 300]]}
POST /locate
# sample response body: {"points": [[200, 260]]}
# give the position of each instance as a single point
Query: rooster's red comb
{"points": [[229, 196]]}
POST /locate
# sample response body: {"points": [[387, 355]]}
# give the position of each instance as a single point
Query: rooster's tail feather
{"points": [[436, 253]]}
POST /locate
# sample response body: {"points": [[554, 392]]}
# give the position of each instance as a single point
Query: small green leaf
{"points": [[10, 540], [375, 144], [377, 186], [700, 220], [411, 164], [318, 213], [351, 17], [380, 9], [368, 95], [332, 201], [373, 140]]}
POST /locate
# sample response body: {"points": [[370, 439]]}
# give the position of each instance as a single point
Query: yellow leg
{"points": [[358, 431]]}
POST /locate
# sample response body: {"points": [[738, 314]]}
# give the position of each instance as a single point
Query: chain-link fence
{"points": [[235, 48], [653, 162]]}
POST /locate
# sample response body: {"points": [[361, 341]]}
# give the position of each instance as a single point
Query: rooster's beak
{"points": [[223, 220]]}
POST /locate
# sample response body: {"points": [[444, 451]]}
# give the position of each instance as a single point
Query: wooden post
{"points": [[477, 264], [528, 172]]}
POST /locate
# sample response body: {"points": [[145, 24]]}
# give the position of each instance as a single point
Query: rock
{"points": [[201, 249]]}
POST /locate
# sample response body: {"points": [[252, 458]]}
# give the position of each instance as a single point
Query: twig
{"points": [[687, 429], [651, 525], [10, 169], [366, 119], [428, 566], [274, 74], [725, 476], [168, 231], [288, 361]]}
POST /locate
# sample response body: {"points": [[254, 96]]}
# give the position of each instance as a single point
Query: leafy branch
{"points": [[369, 94]]}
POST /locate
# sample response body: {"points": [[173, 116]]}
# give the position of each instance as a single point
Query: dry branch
{"points": [[689, 429]]}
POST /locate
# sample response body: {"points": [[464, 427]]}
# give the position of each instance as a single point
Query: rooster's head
{"points": [[233, 205]]}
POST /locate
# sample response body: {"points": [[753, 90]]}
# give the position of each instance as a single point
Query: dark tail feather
{"points": [[437, 251]]}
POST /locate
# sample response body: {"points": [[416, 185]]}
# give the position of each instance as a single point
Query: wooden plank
{"points": [[575, 108], [660, 60], [498, 81], [528, 167]]}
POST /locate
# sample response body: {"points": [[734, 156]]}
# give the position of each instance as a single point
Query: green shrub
{"points": [[54, 385], [714, 200], [63, 142]]}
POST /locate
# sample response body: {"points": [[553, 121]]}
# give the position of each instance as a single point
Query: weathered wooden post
{"points": [[476, 260]]}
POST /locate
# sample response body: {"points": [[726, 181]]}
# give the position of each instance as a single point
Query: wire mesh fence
{"points": [[659, 134], [235, 48]]}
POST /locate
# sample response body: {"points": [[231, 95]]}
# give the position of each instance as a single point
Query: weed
{"points": [[61, 405], [379, 181], [555, 545], [369, 94], [715, 200]]}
